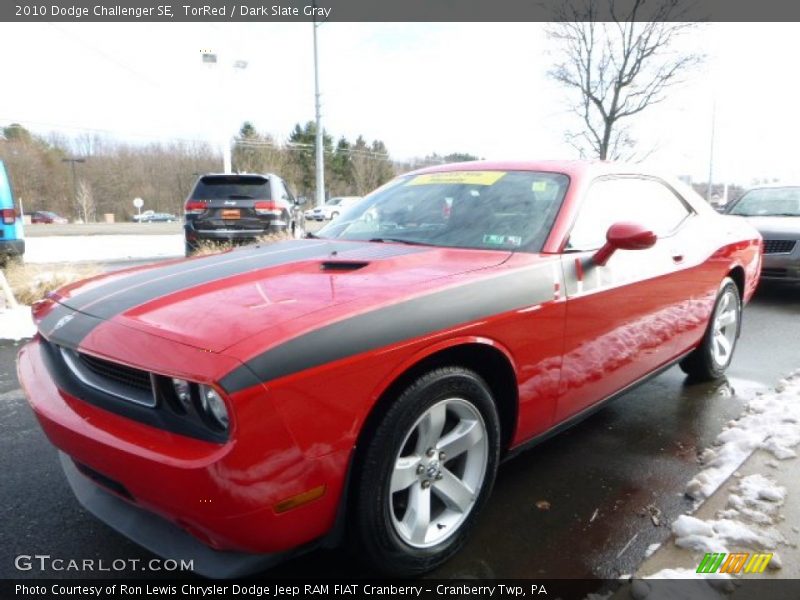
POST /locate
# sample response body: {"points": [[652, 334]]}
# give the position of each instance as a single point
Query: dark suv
{"points": [[238, 208]]}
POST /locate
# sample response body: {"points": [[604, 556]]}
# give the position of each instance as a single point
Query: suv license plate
{"points": [[231, 213]]}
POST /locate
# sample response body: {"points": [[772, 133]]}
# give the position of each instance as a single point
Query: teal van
{"points": [[12, 240]]}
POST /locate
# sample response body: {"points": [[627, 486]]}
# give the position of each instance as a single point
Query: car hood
{"points": [[217, 301], [783, 227]]}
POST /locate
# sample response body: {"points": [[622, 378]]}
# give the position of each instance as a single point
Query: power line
{"points": [[104, 55]]}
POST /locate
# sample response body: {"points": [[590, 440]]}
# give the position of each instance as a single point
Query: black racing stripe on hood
{"points": [[71, 327], [397, 323], [206, 269], [116, 297]]}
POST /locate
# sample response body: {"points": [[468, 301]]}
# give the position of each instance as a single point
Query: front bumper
{"points": [[223, 497], [12, 247], [159, 535], [782, 267]]}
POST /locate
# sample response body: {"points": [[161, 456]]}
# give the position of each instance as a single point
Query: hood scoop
{"points": [[340, 266]]}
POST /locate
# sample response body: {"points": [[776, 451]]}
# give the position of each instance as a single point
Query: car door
{"points": [[621, 322]]}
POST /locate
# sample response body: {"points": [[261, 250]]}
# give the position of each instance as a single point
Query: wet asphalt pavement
{"points": [[576, 506]]}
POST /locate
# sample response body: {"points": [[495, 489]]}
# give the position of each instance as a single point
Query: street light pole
{"points": [[320, 161], [211, 60]]}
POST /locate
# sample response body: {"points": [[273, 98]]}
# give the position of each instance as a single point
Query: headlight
{"points": [[213, 407]]}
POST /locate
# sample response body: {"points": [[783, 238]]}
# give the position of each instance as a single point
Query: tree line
{"points": [[86, 176]]}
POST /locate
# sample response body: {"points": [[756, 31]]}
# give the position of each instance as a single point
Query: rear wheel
{"points": [[426, 472], [710, 360], [188, 248]]}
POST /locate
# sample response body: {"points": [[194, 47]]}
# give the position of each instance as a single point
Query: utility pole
{"points": [[320, 162], [72, 161]]}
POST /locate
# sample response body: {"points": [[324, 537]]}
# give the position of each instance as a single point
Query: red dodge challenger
{"points": [[239, 408]]}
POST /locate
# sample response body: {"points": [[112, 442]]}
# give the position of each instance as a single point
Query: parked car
{"points": [[143, 215], [775, 211], [12, 239], [332, 208], [158, 217], [241, 407], [238, 208], [47, 217]]}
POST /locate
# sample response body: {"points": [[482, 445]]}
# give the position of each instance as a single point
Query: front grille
{"points": [[768, 272], [116, 372], [779, 246], [127, 383]]}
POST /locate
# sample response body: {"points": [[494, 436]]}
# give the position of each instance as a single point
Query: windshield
{"points": [[497, 210], [764, 202]]}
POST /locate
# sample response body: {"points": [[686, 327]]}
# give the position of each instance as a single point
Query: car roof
{"points": [[574, 169], [772, 186], [567, 167], [223, 175]]}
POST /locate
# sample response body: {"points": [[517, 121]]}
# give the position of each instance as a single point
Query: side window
{"points": [[278, 189], [608, 201]]}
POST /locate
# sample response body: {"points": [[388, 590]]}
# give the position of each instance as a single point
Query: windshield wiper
{"points": [[398, 240]]}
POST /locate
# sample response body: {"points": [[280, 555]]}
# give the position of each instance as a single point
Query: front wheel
{"points": [[426, 472], [710, 360]]}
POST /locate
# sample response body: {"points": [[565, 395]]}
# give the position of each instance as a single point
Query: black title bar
{"points": [[389, 10]]}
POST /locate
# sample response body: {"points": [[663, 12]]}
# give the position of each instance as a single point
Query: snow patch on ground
{"points": [[651, 549], [83, 248], [771, 422], [746, 523], [16, 323]]}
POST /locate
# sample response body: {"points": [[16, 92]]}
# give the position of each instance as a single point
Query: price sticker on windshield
{"points": [[458, 178]]}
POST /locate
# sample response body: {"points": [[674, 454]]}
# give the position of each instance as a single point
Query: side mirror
{"points": [[624, 236]]}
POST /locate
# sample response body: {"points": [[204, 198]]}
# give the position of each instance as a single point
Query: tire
{"points": [[188, 249], [405, 453], [711, 358]]}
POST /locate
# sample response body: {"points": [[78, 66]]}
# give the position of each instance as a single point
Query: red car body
{"points": [[303, 352], [47, 217]]}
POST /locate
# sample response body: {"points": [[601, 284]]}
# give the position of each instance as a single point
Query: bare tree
{"points": [[85, 201], [618, 67]]}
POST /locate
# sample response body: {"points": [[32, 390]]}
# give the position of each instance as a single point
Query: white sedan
{"points": [[332, 208]]}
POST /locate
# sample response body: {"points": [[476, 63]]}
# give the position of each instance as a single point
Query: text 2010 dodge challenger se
{"points": [[237, 408]]}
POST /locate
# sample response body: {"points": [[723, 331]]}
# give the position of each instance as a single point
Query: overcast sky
{"points": [[464, 87]]}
